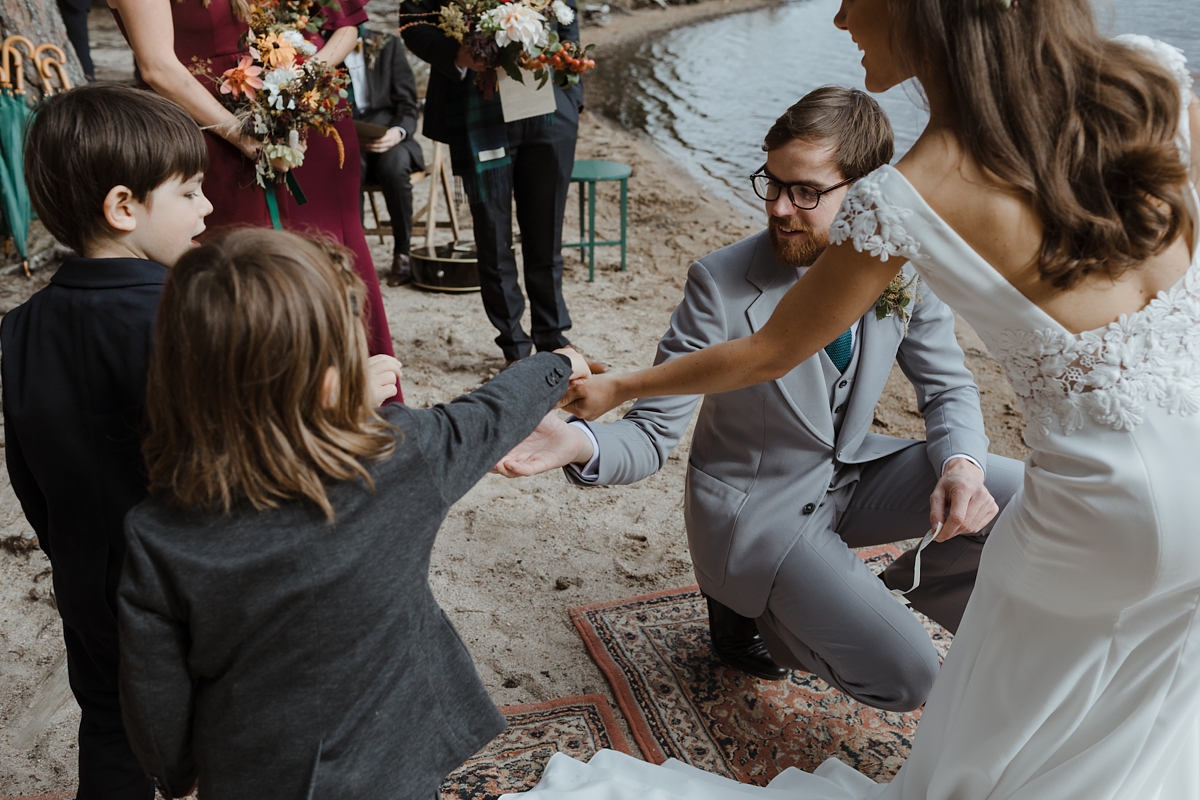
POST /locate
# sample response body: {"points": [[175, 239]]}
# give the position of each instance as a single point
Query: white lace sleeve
{"points": [[872, 224], [1174, 60]]}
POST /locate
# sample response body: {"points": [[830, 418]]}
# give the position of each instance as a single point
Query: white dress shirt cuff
{"points": [[403, 133], [589, 472], [951, 458]]}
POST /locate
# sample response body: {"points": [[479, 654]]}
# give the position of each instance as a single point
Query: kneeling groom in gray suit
{"points": [[783, 477]]}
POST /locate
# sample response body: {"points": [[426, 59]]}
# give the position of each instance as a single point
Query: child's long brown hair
{"points": [[1084, 126], [248, 326]]}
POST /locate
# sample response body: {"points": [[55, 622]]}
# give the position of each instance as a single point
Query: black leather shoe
{"points": [[736, 642], [401, 274]]}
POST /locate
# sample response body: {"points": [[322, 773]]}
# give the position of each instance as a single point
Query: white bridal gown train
{"points": [[1076, 670]]}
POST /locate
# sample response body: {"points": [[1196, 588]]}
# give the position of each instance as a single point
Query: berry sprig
{"points": [[563, 57]]}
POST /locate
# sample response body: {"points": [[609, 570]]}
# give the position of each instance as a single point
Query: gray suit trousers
{"points": [[829, 615]]}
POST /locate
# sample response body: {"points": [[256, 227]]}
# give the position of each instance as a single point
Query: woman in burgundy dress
{"points": [[166, 37]]}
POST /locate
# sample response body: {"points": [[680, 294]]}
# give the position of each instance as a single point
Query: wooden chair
{"points": [[428, 217]]}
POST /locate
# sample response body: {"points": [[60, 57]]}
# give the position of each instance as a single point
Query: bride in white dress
{"points": [[1050, 202]]}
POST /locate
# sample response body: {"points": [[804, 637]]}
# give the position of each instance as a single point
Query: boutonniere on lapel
{"points": [[897, 298], [373, 46]]}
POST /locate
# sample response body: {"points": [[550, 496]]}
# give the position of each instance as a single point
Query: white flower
{"points": [[296, 39], [274, 82], [516, 23], [289, 153], [562, 12]]}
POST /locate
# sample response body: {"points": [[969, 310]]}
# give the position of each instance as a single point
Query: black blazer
{"points": [[445, 84], [271, 654], [74, 374], [392, 92]]}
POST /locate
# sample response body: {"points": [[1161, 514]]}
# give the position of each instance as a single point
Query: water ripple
{"points": [[707, 94]]}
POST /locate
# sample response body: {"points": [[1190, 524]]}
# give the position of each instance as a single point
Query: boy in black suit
{"points": [[114, 173], [385, 94]]}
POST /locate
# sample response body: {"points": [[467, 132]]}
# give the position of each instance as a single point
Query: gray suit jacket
{"points": [[270, 654], [763, 457]]}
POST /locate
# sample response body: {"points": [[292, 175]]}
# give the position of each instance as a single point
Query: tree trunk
{"points": [[40, 22]]}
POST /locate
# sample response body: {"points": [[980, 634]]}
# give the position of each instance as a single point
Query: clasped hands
{"points": [[383, 376], [960, 501]]}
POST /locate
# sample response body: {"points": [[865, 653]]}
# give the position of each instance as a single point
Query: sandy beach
{"points": [[513, 556]]}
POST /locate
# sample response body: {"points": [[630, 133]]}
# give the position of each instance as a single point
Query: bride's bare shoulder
{"points": [[993, 217]]}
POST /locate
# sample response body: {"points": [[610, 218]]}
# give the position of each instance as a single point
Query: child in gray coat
{"points": [[278, 634]]}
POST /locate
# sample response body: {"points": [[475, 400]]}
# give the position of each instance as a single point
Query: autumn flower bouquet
{"points": [[516, 36], [278, 91]]}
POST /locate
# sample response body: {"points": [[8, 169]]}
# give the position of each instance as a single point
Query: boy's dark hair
{"points": [[847, 119], [84, 142]]}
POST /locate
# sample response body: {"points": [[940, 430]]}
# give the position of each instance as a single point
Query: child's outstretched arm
{"points": [[462, 440], [155, 686]]}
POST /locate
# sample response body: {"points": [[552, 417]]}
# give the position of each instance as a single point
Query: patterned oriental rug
{"points": [[680, 702], [514, 760]]}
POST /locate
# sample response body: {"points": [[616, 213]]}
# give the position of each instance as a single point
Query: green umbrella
{"points": [[14, 194]]}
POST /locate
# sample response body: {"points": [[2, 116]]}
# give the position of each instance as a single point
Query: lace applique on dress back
{"points": [[1110, 374], [873, 226]]}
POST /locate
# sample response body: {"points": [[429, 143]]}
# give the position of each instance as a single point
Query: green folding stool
{"points": [[591, 173]]}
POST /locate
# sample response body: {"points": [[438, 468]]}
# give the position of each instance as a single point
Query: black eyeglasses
{"points": [[803, 196]]}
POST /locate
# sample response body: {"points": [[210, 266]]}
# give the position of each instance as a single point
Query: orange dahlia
{"points": [[242, 79]]}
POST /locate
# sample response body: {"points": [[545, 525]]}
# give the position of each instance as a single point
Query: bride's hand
{"points": [[593, 397]]}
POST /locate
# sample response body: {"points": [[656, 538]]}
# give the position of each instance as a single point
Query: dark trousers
{"points": [[108, 770], [542, 158], [391, 170], [75, 18]]}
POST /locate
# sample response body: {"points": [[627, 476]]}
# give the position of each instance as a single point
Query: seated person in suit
{"points": [[278, 634], [784, 477], [385, 94]]}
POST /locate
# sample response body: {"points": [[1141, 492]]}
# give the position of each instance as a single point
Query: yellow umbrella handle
{"points": [[12, 58], [16, 69], [51, 66]]}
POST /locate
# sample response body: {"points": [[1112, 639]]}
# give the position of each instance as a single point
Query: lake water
{"points": [[706, 94]]}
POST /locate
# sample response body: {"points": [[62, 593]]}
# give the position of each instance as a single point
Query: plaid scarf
{"points": [[479, 145]]}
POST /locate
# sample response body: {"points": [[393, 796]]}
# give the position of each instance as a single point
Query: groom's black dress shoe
{"points": [[735, 641]]}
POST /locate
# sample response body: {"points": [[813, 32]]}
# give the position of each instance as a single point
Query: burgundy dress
{"points": [[212, 34]]}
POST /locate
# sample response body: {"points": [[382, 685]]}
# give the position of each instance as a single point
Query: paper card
{"points": [[524, 100]]}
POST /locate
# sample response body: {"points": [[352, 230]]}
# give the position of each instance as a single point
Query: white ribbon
{"points": [[929, 537]]}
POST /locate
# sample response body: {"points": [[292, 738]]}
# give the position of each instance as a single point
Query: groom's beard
{"points": [[799, 252]]}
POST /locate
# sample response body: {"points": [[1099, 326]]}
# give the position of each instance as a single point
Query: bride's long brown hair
{"points": [[1085, 126]]}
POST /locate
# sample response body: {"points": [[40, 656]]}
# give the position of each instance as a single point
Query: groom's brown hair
{"points": [[847, 119]]}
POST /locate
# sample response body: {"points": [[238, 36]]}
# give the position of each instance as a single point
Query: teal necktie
{"points": [[840, 350]]}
